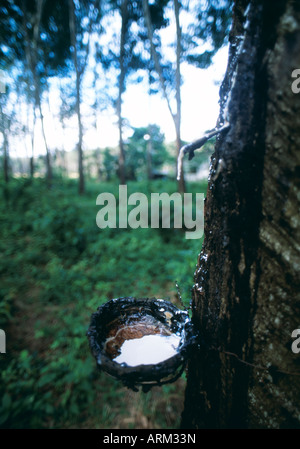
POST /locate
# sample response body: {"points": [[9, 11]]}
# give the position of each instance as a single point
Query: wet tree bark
{"points": [[246, 300]]}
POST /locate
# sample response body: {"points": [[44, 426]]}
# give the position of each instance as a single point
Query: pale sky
{"points": [[200, 109]]}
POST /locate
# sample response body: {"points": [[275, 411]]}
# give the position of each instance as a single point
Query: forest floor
{"points": [[56, 268]]}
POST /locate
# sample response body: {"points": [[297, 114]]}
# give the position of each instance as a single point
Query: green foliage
{"points": [[211, 27], [56, 268], [53, 39], [145, 146], [110, 162]]}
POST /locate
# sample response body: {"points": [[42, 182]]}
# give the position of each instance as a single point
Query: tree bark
{"points": [[246, 299]]}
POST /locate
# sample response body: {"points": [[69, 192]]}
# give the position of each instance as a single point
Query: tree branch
{"points": [[197, 144]]}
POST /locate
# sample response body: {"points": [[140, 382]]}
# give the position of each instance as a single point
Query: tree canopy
{"points": [[43, 48]]}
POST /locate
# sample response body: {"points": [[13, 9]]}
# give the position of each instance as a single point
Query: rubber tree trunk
{"points": [[5, 159], [31, 52], [246, 300], [72, 24], [31, 163], [49, 173], [5, 126], [177, 117], [121, 88]]}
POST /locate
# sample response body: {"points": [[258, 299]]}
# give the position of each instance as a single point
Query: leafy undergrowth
{"points": [[56, 268]]}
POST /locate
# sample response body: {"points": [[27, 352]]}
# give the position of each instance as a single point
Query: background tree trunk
{"points": [[48, 156], [124, 16], [5, 158], [177, 118], [31, 164], [5, 129], [81, 187], [149, 152], [32, 52], [246, 295]]}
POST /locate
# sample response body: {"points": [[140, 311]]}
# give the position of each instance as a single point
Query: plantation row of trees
{"points": [[62, 49]]}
